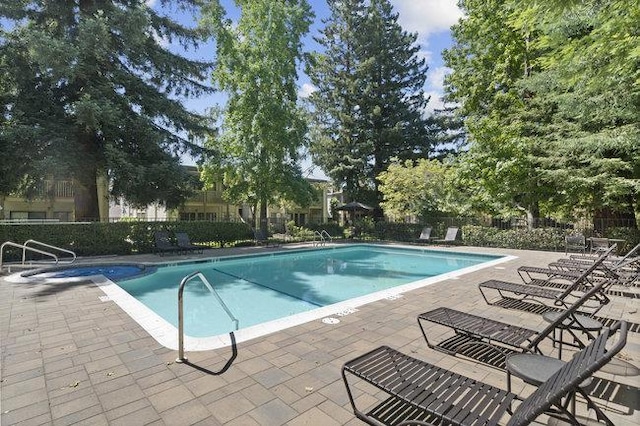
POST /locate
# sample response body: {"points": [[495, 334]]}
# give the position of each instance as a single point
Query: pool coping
{"points": [[166, 333]]}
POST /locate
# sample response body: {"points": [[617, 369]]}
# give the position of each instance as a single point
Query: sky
{"points": [[430, 19]]}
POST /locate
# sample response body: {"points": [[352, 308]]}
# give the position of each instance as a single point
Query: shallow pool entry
{"points": [[111, 271]]}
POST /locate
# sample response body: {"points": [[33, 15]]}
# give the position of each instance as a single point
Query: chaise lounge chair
{"points": [[490, 341], [537, 292], [450, 237], [417, 391], [425, 235], [184, 243], [163, 244]]}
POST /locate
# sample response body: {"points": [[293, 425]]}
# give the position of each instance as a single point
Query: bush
{"points": [[92, 239], [517, 238]]}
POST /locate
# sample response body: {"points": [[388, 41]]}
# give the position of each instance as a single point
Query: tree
{"points": [[419, 189], [490, 55], [551, 132], [595, 127], [370, 99], [263, 129], [337, 144], [93, 97]]}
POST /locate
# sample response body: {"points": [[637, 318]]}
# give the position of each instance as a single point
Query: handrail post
{"points": [[181, 358]]}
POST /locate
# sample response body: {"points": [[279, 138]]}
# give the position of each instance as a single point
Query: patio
{"points": [[69, 356]]}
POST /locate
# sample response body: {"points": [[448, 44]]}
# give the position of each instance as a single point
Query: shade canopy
{"points": [[354, 206]]}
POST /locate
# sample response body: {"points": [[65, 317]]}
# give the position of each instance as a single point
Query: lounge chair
{"points": [[490, 341], [628, 263], [590, 257], [419, 391], [425, 235], [450, 237], [618, 274], [163, 244], [538, 292], [184, 243], [575, 242]]}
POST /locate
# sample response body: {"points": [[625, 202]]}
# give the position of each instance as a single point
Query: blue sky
{"points": [[430, 19]]}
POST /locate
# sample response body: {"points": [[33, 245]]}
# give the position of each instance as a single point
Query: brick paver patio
{"points": [[70, 358]]}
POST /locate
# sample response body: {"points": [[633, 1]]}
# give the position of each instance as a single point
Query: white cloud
{"points": [[435, 78], [427, 16], [306, 90], [151, 3], [435, 101]]}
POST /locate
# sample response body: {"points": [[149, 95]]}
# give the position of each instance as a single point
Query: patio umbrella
{"points": [[354, 206]]}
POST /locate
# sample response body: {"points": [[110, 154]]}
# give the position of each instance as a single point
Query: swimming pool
{"points": [[268, 292]]}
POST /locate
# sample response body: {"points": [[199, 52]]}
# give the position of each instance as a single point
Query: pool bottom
{"points": [[167, 335]]}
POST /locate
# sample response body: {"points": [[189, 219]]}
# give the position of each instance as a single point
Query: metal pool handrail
{"points": [[26, 243], [24, 248], [181, 357]]}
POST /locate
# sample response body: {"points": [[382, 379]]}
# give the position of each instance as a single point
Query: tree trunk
{"points": [[85, 182], [533, 213], [85, 198], [264, 220]]}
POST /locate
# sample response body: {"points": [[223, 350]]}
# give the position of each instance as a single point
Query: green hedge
{"points": [[518, 238], [92, 239]]}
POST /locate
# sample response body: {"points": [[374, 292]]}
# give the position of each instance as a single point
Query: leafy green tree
{"points": [[263, 128], [370, 99], [551, 132], [490, 55], [94, 94], [414, 189], [595, 126]]}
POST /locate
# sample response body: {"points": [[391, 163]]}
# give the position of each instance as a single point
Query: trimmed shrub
{"points": [[93, 239], [517, 238]]}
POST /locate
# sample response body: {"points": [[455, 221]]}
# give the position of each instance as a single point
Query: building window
{"points": [[299, 218], [27, 215], [62, 216]]}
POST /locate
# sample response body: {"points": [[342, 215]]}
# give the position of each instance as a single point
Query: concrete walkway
{"points": [[70, 358]]}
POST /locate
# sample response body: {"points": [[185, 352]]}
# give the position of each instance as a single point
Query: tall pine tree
{"points": [[93, 96], [337, 143], [372, 69]]}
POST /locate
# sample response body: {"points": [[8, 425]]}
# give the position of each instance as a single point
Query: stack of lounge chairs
{"points": [[416, 392]]}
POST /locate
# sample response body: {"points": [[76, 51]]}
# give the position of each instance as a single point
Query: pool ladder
{"points": [[181, 358], [322, 237], [25, 247]]}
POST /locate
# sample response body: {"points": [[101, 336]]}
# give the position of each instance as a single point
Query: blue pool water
{"points": [[261, 288]]}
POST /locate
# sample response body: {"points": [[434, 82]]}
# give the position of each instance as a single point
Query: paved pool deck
{"points": [[71, 357]]}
